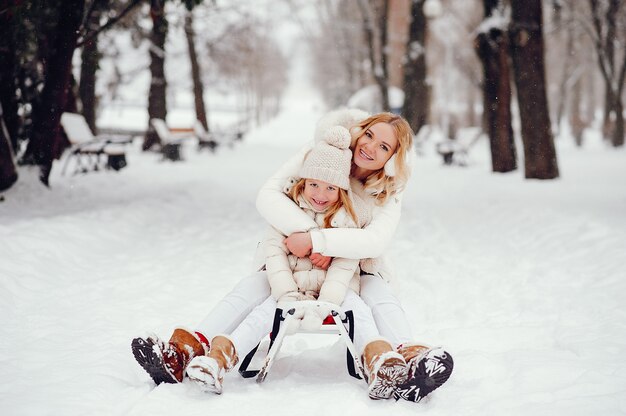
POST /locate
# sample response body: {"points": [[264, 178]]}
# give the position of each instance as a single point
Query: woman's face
{"points": [[375, 146], [320, 194]]}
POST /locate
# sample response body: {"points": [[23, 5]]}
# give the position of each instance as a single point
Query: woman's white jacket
{"points": [[367, 243]]}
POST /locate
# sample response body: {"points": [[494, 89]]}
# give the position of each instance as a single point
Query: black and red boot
{"points": [[166, 362]]}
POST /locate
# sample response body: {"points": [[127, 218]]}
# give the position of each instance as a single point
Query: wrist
{"points": [[318, 244]]}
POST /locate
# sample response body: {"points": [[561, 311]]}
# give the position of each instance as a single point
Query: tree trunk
{"points": [[46, 143], [90, 57], [384, 51], [493, 48], [603, 15], [377, 71], [577, 121], [565, 81], [8, 170], [8, 99], [526, 39], [198, 88], [416, 90], [618, 134], [157, 104]]}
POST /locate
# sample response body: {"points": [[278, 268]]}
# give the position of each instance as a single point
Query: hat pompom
{"points": [[337, 136]]}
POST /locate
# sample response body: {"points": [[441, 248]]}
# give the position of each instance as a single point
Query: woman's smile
{"points": [[364, 155]]}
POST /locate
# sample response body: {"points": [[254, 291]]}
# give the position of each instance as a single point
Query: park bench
{"points": [[455, 152], [205, 138], [217, 137], [91, 152], [170, 141]]}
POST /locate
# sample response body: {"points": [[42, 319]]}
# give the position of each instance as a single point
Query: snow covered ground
{"points": [[522, 281]]}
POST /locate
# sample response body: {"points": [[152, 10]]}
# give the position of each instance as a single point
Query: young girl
{"points": [[322, 192]]}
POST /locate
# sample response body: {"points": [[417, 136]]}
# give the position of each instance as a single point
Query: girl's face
{"points": [[320, 194], [375, 146]]}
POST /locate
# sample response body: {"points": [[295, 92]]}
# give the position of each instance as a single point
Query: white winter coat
{"points": [[368, 243], [288, 273]]}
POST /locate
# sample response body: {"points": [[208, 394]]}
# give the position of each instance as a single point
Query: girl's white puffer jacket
{"points": [[288, 273]]}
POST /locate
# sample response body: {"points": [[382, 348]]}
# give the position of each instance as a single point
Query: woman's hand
{"points": [[320, 261], [299, 244]]}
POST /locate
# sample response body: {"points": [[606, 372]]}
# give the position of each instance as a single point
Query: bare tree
{"points": [[609, 38], [198, 88], [416, 89], [90, 56], [8, 70], [568, 65], [46, 143], [253, 63], [493, 49], [338, 50], [157, 97], [526, 37], [8, 170], [375, 24]]}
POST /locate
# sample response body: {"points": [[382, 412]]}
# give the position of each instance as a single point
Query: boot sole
{"points": [[425, 376], [151, 360]]}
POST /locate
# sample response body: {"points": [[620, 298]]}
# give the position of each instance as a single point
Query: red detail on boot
{"points": [[203, 339]]}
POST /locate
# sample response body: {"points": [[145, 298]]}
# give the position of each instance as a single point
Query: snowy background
{"points": [[522, 281]]}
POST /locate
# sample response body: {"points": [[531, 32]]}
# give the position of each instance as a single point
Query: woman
{"points": [[322, 191], [381, 148], [382, 145]]}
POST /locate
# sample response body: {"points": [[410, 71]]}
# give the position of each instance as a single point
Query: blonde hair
{"points": [[343, 201], [384, 185]]}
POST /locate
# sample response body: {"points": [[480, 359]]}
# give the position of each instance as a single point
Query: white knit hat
{"points": [[330, 160]]}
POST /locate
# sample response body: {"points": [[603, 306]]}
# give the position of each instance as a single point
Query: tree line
{"points": [[38, 40], [451, 53], [486, 54]]}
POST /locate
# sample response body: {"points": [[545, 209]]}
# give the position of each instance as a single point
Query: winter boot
{"points": [[208, 371], [166, 362], [428, 369], [384, 369], [413, 352]]}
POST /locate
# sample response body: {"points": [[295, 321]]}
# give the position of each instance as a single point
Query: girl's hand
{"points": [[320, 261], [299, 244]]}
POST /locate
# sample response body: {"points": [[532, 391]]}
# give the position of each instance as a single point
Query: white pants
{"points": [[233, 308], [259, 323], [253, 290], [389, 316]]}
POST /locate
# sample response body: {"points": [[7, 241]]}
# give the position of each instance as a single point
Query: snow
{"points": [[522, 281], [499, 20]]}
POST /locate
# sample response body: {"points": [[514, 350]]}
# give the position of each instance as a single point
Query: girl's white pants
{"points": [[385, 316]]}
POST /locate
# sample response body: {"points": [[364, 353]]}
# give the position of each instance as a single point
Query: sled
{"points": [[337, 322]]}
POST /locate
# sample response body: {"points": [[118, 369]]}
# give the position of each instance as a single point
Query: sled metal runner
{"points": [[338, 322]]}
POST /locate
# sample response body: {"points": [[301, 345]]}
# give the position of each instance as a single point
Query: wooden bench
{"points": [[92, 153], [216, 138], [455, 152], [170, 141], [205, 139]]}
